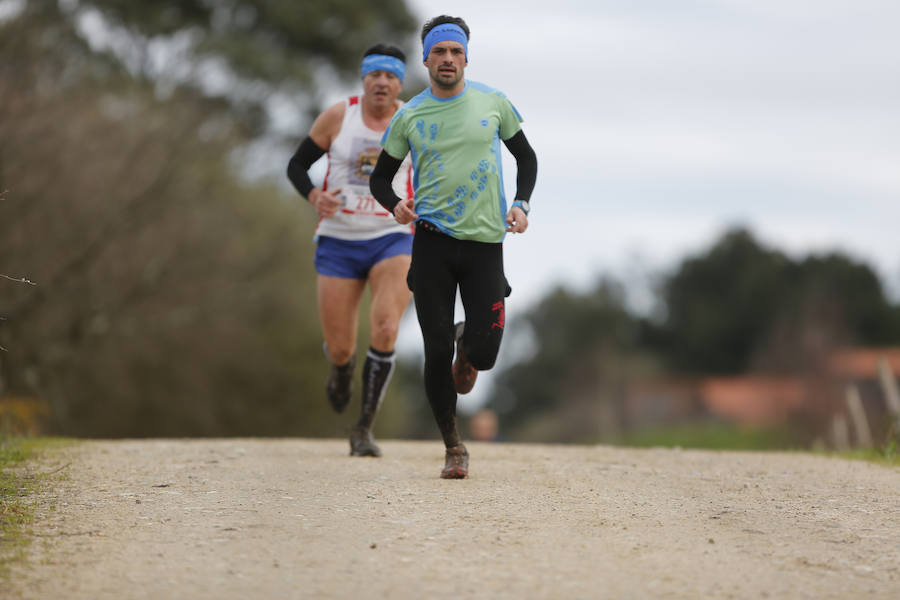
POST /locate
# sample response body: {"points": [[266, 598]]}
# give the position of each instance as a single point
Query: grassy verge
{"points": [[720, 436], [17, 485], [888, 455]]}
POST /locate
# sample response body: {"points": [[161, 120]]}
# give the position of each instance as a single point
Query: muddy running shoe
{"points": [[464, 374], [340, 385], [362, 443], [456, 464]]}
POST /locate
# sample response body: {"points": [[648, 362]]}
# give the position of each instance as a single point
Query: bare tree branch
{"points": [[18, 280]]}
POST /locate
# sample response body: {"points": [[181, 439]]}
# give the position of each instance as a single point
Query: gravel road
{"points": [[295, 518]]}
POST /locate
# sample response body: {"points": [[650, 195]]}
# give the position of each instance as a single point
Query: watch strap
{"points": [[522, 205]]}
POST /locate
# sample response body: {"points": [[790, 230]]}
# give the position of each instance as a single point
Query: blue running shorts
{"points": [[352, 259]]}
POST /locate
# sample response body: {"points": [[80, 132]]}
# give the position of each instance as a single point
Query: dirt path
{"points": [[253, 518]]}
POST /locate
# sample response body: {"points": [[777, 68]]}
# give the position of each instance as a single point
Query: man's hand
{"points": [[404, 212], [516, 220], [327, 202]]}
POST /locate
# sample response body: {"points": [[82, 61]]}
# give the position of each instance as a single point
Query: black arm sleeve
{"points": [[381, 178], [526, 164], [298, 167]]}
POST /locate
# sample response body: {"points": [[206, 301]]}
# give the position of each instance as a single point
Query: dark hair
{"points": [[386, 49], [431, 24]]}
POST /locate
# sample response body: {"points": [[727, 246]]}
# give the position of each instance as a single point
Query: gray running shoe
{"points": [[362, 443], [339, 388]]}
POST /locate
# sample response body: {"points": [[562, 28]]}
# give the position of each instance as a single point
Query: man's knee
{"points": [[384, 333], [339, 355], [482, 358]]}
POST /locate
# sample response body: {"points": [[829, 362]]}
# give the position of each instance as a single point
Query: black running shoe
{"points": [[362, 443], [339, 388]]}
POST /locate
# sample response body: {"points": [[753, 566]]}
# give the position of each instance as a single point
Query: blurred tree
{"points": [[171, 297], [741, 305], [831, 301], [718, 305], [865, 309], [584, 349], [248, 51]]}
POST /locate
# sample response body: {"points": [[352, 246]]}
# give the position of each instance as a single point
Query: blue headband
{"points": [[383, 62], [448, 32]]}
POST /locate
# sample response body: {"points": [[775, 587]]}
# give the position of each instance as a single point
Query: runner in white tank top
{"points": [[351, 158], [358, 242]]}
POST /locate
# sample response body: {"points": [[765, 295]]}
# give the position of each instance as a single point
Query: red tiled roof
{"points": [[753, 400], [862, 363]]}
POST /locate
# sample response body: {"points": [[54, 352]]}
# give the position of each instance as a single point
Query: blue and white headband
{"points": [[383, 62], [448, 32]]}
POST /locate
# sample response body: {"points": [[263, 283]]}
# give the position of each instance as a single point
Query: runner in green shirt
{"points": [[453, 132]]}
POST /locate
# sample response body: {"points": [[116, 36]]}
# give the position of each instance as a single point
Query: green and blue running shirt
{"points": [[457, 166]]}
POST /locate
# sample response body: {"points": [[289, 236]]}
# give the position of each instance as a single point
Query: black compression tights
{"points": [[439, 264]]}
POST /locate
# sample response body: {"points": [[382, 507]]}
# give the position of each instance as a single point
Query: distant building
{"points": [[755, 400], [812, 399]]}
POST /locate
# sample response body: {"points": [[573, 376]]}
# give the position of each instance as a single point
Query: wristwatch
{"points": [[524, 205]]}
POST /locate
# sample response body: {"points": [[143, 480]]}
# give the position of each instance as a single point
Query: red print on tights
{"points": [[501, 315]]}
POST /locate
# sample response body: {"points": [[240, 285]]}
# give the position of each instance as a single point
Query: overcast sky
{"points": [[659, 124]]}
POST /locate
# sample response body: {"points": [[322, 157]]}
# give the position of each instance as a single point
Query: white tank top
{"points": [[351, 159]]}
